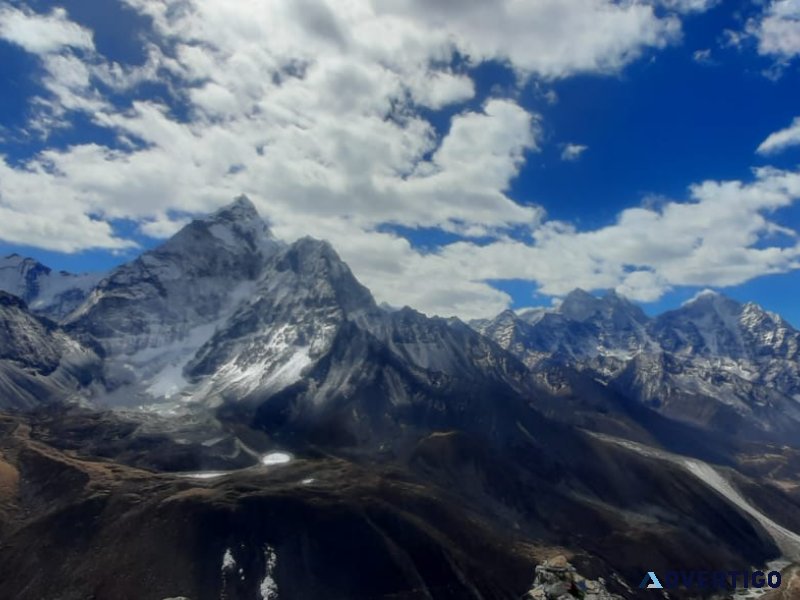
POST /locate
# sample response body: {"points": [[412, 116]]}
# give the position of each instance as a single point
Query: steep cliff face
{"points": [[311, 352], [190, 281], [151, 315], [39, 363]]}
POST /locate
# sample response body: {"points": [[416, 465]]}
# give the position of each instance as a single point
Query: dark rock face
{"points": [[329, 527], [322, 528]]}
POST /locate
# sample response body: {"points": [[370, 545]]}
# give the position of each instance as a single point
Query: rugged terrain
{"points": [[725, 366], [427, 458]]}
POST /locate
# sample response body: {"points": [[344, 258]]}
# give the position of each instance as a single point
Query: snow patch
{"points": [[203, 474], [788, 541], [706, 293], [288, 372], [268, 587], [260, 376], [275, 458], [228, 562]]}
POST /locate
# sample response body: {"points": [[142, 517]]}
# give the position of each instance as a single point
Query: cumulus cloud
{"points": [[318, 110], [722, 236], [572, 152], [42, 34], [550, 38], [777, 29], [781, 140]]}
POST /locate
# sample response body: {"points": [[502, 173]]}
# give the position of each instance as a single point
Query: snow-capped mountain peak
{"points": [[53, 294], [708, 357], [302, 299], [239, 222], [234, 231], [151, 315], [580, 305]]}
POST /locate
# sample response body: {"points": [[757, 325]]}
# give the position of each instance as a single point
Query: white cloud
{"points": [[550, 38], [702, 56], [722, 237], [439, 89], [313, 110], [572, 152], [781, 140], [777, 30], [42, 34], [34, 213]]}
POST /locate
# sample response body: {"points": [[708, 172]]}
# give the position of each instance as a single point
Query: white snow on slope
{"points": [[204, 474], [787, 541], [228, 562], [268, 587], [275, 458], [277, 373]]}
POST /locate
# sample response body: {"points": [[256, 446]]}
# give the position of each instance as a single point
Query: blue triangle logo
{"points": [[651, 582]]}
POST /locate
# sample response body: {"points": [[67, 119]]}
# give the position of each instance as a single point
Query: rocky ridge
{"points": [[713, 362]]}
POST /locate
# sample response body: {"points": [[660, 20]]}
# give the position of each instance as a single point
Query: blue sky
{"points": [[460, 160]]}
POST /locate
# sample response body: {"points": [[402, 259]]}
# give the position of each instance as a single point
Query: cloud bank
{"points": [[319, 112]]}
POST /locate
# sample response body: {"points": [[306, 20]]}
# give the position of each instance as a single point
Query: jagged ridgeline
{"points": [[243, 414]]}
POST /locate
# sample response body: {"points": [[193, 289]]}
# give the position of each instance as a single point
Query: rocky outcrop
{"points": [[557, 579]]}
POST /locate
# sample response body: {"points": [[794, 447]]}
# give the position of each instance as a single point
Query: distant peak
{"points": [[309, 248], [579, 305], [533, 315], [242, 208], [579, 294], [237, 227], [706, 294], [506, 317], [710, 298]]}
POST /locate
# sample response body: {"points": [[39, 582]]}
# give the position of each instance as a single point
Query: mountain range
{"points": [[712, 362], [244, 415]]}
